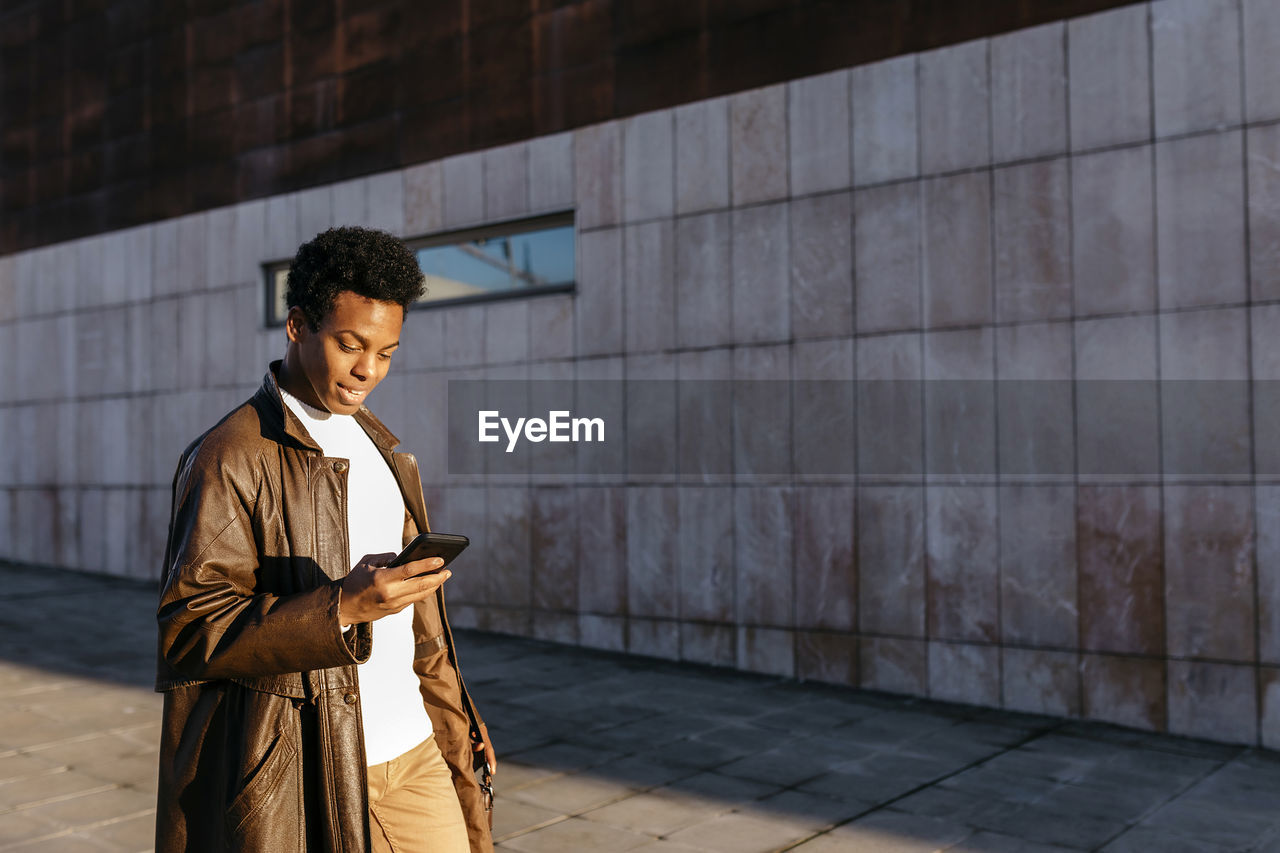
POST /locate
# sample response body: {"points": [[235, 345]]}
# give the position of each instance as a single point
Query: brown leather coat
{"points": [[262, 747]]}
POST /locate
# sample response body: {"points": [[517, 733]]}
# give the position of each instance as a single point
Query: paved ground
{"points": [[608, 753]]}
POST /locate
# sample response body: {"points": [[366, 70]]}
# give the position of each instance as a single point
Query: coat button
{"points": [[349, 698], [339, 466]]}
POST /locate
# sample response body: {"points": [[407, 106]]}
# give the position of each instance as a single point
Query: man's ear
{"points": [[295, 325]]}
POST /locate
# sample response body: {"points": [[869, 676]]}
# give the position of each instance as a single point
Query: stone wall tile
{"points": [[963, 572], [1204, 398], [555, 627], [761, 308], [422, 340], [894, 665], [651, 539], [1029, 93], [316, 211], [651, 416], [164, 256], [1038, 573], [423, 199], [463, 184], [281, 233], [250, 252], [960, 404], [506, 181], [1109, 57], [891, 570], [715, 645], [648, 171], [1117, 422], [599, 294], [702, 156], [85, 285], [704, 394], [350, 201], [1264, 210], [602, 632], [1032, 242], [461, 509], [825, 560], [220, 236], [1261, 29], [222, 344], [506, 331], [1200, 220], [507, 535], [1268, 568], [1196, 64], [1113, 231], [956, 253], [824, 410], [649, 286], [653, 638], [386, 203], [1209, 572], [553, 530], [890, 407], [551, 172], [1122, 596], [464, 335], [758, 144], [551, 327], [962, 672], [550, 384], [763, 534], [1127, 691], [703, 282], [762, 423], [886, 229], [818, 143], [827, 658], [955, 102], [1041, 682], [1034, 401], [822, 266], [25, 284], [9, 435], [9, 284], [885, 121], [61, 269], [1213, 700], [597, 175], [193, 333], [766, 650], [705, 554]]}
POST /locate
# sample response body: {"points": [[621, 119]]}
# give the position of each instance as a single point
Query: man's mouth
{"points": [[350, 396]]}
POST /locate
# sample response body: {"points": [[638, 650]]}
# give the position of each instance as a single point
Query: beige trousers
{"points": [[413, 806]]}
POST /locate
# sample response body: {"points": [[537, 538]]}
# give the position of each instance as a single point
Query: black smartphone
{"points": [[424, 545]]}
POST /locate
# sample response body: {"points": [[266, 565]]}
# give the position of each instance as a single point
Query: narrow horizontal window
{"points": [[510, 260]]}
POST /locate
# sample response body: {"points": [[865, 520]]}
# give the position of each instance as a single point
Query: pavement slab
{"points": [[605, 752]]}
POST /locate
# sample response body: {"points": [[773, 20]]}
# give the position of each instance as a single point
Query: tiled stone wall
{"points": [[1092, 199]]}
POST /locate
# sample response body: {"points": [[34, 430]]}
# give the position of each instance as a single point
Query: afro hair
{"points": [[370, 263]]}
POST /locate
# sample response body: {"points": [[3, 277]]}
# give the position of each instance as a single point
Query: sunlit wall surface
{"points": [[1090, 200]]}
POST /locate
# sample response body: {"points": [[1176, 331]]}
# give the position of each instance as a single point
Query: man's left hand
{"points": [[487, 746]]}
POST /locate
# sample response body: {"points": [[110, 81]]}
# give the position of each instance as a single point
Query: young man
{"points": [[312, 699]]}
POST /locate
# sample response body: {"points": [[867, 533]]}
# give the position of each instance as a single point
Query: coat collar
{"points": [[292, 425]]}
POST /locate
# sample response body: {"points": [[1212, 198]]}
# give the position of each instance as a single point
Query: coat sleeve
{"points": [[214, 620]]}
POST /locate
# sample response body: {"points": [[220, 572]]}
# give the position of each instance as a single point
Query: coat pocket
{"points": [[267, 791]]}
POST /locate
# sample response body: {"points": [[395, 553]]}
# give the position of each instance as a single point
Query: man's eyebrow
{"points": [[362, 339]]}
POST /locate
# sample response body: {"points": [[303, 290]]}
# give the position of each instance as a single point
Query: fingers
{"points": [[418, 567], [373, 561]]}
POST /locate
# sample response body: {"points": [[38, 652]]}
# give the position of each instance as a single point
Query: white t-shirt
{"points": [[395, 720]]}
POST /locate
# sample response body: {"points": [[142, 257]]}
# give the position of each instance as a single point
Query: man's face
{"points": [[349, 354]]}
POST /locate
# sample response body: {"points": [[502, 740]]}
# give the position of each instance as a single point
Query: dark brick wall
{"points": [[117, 112]]}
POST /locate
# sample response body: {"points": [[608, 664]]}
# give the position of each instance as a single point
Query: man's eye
{"points": [[346, 348], [385, 356]]}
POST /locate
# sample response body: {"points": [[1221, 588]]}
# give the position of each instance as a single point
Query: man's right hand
{"points": [[370, 591]]}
